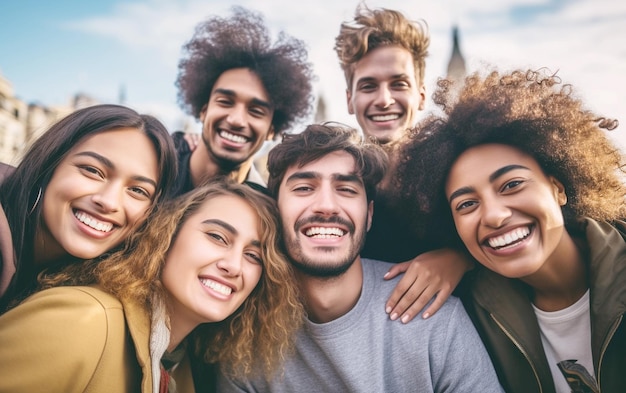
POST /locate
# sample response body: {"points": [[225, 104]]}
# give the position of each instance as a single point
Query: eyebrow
{"points": [[302, 176], [352, 178], [255, 101], [109, 164], [372, 79], [495, 175], [226, 226]]}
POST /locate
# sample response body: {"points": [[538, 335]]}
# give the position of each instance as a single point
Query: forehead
{"points": [[221, 205], [385, 62], [483, 160], [125, 145], [231, 209], [328, 166], [493, 154], [242, 82]]}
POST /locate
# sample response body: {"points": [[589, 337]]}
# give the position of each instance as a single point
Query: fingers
{"points": [[440, 299], [414, 299], [192, 140], [397, 295], [397, 269], [430, 275]]}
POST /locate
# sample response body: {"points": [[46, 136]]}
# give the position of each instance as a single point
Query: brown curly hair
{"points": [[373, 28], [318, 140], [529, 110], [243, 41], [259, 332]]}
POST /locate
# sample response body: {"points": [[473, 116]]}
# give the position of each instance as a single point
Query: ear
{"points": [[559, 191], [370, 214], [203, 112], [422, 93], [349, 101], [270, 134]]}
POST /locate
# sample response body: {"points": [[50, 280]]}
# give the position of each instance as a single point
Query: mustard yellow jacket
{"points": [[78, 339]]}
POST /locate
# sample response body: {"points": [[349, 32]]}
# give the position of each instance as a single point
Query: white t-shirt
{"points": [[566, 335]]}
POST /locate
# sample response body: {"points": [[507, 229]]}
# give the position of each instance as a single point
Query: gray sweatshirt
{"points": [[364, 351]]}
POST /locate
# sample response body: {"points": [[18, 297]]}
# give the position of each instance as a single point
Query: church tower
{"points": [[456, 66]]}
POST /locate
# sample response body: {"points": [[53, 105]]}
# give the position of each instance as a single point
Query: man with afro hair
{"points": [[244, 89]]}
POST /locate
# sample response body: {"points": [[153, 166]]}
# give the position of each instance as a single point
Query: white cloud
{"points": [[583, 39]]}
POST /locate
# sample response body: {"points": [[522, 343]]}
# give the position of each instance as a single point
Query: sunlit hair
{"points": [[529, 110], [243, 41], [318, 140], [373, 28], [21, 192], [261, 330]]}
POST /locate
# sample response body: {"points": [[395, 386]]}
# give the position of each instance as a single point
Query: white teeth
{"points": [[386, 117], [233, 137], [216, 286], [323, 232], [93, 223], [509, 238]]}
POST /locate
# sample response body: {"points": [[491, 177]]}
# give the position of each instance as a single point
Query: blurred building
{"points": [[456, 65], [13, 122], [21, 123]]}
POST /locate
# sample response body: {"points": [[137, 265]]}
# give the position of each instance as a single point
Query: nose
{"points": [[231, 263], [236, 117], [495, 212], [108, 198], [384, 97], [326, 202]]}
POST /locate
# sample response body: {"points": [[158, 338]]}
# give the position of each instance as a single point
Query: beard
{"points": [[226, 164], [327, 263]]}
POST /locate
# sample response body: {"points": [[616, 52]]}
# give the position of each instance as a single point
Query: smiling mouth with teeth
{"points": [[216, 286], [389, 117], [324, 232], [92, 222], [509, 238], [232, 137]]}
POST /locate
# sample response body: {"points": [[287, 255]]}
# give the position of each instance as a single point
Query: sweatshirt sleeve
{"points": [[53, 341], [465, 366]]}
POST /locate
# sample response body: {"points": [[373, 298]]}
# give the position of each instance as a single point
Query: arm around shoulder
{"points": [[465, 365], [54, 340]]}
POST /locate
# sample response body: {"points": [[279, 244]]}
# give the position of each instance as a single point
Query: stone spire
{"points": [[456, 66]]}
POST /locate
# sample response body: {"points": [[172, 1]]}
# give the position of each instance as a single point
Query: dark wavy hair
{"points": [[20, 191], [527, 109], [243, 41], [318, 140]]}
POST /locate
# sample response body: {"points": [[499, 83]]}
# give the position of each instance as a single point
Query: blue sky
{"points": [[50, 50]]}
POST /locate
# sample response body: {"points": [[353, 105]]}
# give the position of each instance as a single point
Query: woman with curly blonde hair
{"points": [[532, 185], [206, 276]]}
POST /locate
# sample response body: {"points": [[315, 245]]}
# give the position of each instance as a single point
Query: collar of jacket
{"points": [[138, 320], [507, 300]]}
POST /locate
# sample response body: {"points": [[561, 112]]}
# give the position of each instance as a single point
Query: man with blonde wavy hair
{"points": [[382, 54]]}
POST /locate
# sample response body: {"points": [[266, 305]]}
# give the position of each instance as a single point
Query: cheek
{"points": [[252, 277], [136, 213], [360, 105], [48, 211], [174, 282], [465, 231]]}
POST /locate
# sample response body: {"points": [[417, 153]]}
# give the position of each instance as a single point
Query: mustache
{"points": [[324, 220]]}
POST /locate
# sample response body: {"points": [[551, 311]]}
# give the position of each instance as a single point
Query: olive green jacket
{"points": [[502, 313]]}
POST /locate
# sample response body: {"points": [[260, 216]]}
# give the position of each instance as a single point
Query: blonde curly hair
{"points": [[373, 28], [260, 332]]}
